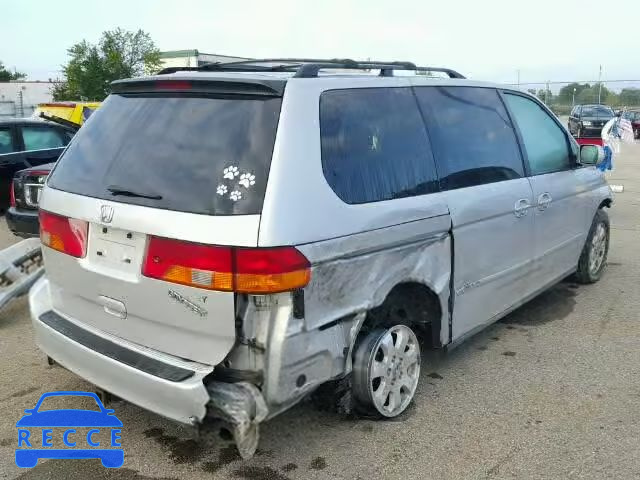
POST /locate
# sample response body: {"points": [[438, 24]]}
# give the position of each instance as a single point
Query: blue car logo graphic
{"points": [[33, 446]]}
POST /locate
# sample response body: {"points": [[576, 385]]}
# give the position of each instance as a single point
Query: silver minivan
{"points": [[221, 241]]}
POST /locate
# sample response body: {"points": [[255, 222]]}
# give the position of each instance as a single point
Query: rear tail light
{"points": [[244, 270], [203, 266], [66, 235], [12, 194]]}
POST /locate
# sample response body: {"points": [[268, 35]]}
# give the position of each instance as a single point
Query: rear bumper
{"points": [[23, 223], [591, 132], [169, 387]]}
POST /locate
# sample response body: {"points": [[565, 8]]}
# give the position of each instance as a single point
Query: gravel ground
{"points": [[552, 391]]}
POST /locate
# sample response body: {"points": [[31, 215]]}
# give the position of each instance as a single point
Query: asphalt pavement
{"points": [[552, 391]]}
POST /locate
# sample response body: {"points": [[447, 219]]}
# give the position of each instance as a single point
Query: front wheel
{"points": [[386, 369], [594, 254]]}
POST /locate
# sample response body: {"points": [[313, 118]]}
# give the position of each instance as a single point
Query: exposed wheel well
{"points": [[605, 203], [411, 303]]}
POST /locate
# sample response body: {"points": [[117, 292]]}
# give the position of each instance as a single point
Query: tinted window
{"points": [[40, 138], [374, 145], [596, 111], [6, 140], [544, 140], [200, 154], [474, 140]]}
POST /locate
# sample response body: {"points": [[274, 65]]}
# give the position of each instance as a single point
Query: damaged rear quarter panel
{"points": [[354, 274], [351, 275]]}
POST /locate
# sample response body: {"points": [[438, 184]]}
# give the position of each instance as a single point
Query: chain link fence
{"points": [[562, 96]]}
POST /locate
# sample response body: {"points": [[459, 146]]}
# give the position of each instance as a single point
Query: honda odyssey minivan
{"points": [[221, 241]]}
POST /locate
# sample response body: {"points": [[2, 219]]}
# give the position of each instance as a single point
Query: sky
{"points": [[492, 40]]}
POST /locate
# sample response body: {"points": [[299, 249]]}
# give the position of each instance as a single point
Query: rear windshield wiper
{"points": [[115, 190]]}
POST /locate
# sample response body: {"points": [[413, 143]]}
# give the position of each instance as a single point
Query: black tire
{"points": [[586, 272], [365, 353]]}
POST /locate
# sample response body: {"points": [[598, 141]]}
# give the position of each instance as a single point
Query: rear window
{"points": [[197, 154], [596, 111]]}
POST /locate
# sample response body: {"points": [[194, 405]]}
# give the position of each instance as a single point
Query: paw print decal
{"points": [[235, 195], [222, 189], [231, 172], [247, 179]]}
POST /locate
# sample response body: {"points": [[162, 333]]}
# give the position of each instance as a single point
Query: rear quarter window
{"points": [[374, 145], [202, 154]]}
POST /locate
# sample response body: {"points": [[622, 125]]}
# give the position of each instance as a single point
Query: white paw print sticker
{"points": [[235, 195], [231, 172], [222, 189], [247, 179]]}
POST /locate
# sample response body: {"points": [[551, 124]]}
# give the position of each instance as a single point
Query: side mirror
{"points": [[590, 155]]}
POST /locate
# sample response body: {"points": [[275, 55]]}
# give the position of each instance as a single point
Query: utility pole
{"points": [[518, 73], [546, 94], [600, 84], [20, 103]]}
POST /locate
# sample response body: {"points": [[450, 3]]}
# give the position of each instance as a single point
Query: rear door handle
{"points": [[521, 207], [543, 201]]}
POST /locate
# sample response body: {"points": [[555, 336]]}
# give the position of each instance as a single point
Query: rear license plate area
{"points": [[115, 249]]}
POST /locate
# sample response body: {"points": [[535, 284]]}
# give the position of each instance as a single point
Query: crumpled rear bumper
{"points": [[168, 386]]}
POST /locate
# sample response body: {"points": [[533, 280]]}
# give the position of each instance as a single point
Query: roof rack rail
{"points": [[310, 67]]}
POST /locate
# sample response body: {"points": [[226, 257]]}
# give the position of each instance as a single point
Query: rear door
{"points": [[8, 161], [42, 143], [573, 120], [482, 173], [159, 174], [561, 189]]}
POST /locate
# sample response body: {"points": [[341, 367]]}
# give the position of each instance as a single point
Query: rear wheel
{"points": [[594, 254], [386, 369]]}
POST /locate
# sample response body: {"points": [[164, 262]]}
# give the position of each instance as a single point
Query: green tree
{"points": [[591, 94], [92, 67], [565, 95], [7, 75], [545, 95], [629, 97]]}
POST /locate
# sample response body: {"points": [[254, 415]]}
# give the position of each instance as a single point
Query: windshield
{"points": [[596, 111], [195, 154]]}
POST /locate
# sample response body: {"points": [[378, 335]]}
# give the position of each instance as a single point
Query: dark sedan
{"points": [[26, 143], [588, 120], [22, 215]]}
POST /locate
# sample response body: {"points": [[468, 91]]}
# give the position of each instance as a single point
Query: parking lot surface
{"points": [[551, 391]]}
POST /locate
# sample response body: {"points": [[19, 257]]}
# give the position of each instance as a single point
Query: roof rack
{"points": [[310, 67]]}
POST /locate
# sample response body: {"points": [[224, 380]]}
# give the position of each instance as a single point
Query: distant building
{"points": [[193, 58], [20, 98]]}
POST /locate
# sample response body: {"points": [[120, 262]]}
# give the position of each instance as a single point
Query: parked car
{"points": [[276, 228], [588, 120], [27, 143], [634, 117], [25, 190]]}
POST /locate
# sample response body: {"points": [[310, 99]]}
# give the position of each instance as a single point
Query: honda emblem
{"points": [[106, 214]]}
